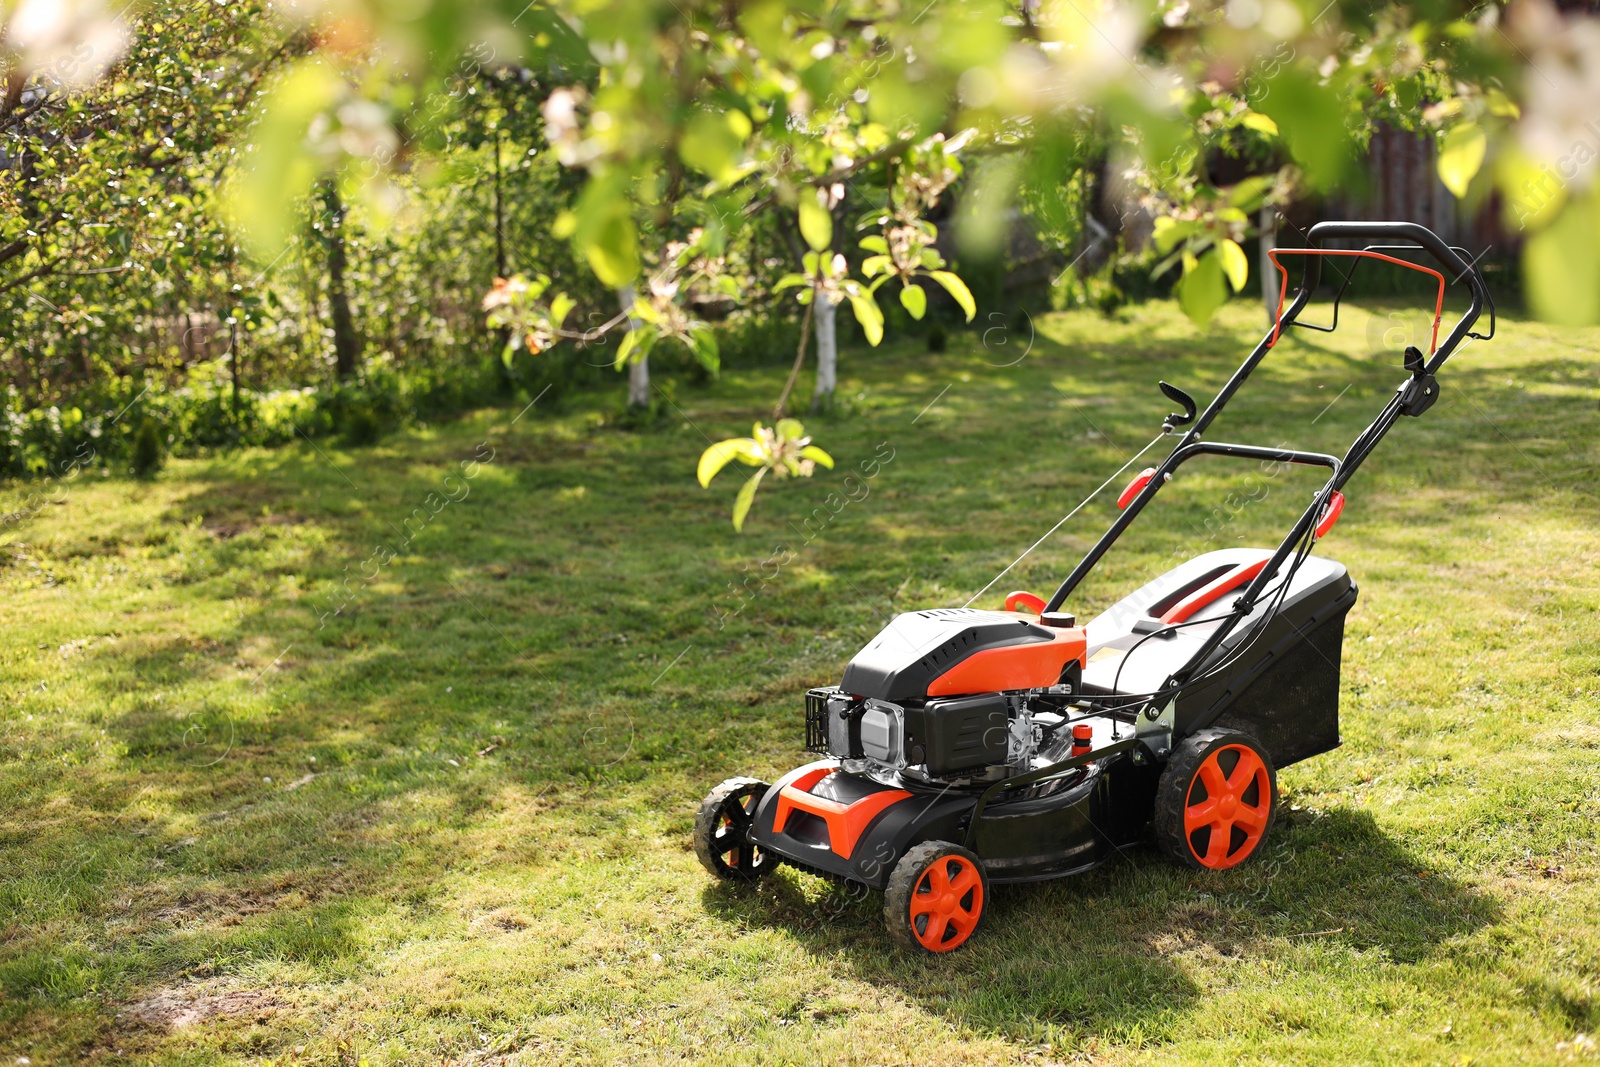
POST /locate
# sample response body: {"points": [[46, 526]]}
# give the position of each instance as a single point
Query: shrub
{"points": [[148, 454], [142, 426]]}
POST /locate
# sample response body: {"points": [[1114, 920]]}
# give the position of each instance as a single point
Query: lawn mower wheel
{"points": [[1217, 800], [936, 897], [721, 832]]}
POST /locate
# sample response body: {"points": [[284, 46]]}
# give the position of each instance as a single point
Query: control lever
{"points": [[1420, 390], [1178, 396]]}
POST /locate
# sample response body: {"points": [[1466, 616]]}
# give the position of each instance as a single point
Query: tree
{"points": [[104, 182], [331, 224], [685, 121]]}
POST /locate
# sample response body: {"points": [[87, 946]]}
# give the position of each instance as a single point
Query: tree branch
{"points": [[585, 336], [13, 250], [799, 357], [47, 267]]}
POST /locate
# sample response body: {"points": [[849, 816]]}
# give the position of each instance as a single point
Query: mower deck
{"points": [[850, 827]]}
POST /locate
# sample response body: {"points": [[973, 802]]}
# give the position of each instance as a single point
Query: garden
{"points": [[442, 442]]}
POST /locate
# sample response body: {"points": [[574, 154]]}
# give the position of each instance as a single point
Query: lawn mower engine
{"points": [[946, 695]]}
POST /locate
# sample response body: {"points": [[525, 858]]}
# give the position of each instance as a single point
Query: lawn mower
{"points": [[965, 748]]}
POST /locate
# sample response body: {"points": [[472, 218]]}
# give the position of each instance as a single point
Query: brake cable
{"points": [[1081, 505]]}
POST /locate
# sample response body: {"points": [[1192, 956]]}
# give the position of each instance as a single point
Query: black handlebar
{"points": [[1414, 397], [1430, 242], [1422, 237]]}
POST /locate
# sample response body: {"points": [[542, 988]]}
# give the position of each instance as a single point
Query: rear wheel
{"points": [[722, 831], [1217, 800], [936, 897]]}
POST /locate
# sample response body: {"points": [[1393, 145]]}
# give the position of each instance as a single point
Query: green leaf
{"points": [[1532, 200], [1461, 153], [873, 266], [875, 243], [560, 307], [958, 289], [821, 458], [1500, 104], [630, 341], [914, 300], [742, 502], [789, 280], [711, 143], [613, 252], [1234, 263], [1202, 290], [636, 345], [603, 230], [869, 315], [719, 455], [1248, 194], [703, 340], [816, 221], [1168, 231], [1312, 116], [280, 167], [1562, 264], [1260, 123], [763, 20]]}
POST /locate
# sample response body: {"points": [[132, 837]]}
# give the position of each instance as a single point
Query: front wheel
{"points": [[936, 897], [1217, 800], [722, 831]]}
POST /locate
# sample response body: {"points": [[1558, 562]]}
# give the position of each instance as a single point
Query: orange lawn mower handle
{"points": [[1416, 238]]}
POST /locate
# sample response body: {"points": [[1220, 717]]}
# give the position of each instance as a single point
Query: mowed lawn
{"points": [[342, 756]]}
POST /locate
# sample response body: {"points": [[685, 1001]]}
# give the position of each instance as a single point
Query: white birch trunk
{"points": [[638, 366], [1268, 224], [827, 321]]}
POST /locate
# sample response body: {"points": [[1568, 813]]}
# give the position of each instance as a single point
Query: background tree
{"points": [[690, 123]]}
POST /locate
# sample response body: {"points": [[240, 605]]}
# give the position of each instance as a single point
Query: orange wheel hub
{"points": [[1226, 811], [946, 904]]}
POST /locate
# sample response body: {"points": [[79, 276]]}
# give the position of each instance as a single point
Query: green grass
{"points": [[451, 822]]}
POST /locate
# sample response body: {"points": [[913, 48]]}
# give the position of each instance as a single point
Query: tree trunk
{"points": [[1269, 274], [638, 366], [233, 361], [499, 214], [502, 335], [827, 352], [346, 347]]}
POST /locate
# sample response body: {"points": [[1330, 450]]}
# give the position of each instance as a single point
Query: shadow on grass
{"points": [[1107, 955]]}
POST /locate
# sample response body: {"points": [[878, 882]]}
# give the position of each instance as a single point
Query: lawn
{"points": [[391, 754]]}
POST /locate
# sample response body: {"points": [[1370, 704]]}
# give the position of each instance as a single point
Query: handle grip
{"points": [[1424, 238], [1430, 242]]}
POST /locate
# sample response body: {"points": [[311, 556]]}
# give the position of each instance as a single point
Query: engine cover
{"points": [[918, 650]]}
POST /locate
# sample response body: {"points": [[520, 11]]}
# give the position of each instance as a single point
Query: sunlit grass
{"points": [[269, 794]]}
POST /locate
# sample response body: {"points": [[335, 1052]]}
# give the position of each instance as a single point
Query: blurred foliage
{"points": [[118, 265]]}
